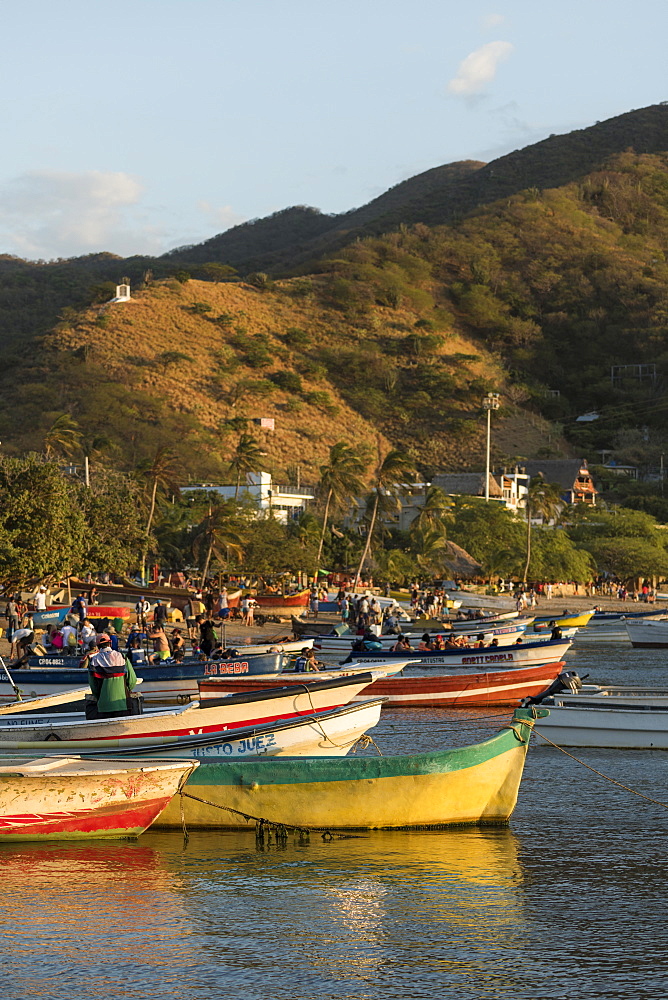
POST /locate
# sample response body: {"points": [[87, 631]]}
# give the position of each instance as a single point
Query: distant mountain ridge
{"points": [[437, 196]]}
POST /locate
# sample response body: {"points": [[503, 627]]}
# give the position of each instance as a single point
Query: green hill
{"points": [[533, 276]]}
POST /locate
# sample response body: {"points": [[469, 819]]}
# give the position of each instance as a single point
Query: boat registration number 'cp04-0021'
{"points": [[488, 658], [240, 667]]}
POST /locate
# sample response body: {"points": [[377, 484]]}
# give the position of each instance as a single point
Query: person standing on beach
{"points": [[12, 615], [223, 605], [40, 599]]}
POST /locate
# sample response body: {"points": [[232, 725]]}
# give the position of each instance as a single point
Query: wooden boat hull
{"points": [[299, 600], [468, 690], [331, 734], [161, 682], [240, 710], [525, 655], [564, 621], [472, 785], [306, 627], [61, 798]]}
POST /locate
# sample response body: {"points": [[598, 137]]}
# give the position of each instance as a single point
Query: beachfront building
{"points": [[506, 488], [572, 476], [282, 502]]}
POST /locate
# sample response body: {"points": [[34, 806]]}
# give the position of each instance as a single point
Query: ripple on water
{"points": [[570, 901]]}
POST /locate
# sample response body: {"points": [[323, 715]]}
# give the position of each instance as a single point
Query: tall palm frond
{"points": [[389, 479], [340, 479], [247, 457]]}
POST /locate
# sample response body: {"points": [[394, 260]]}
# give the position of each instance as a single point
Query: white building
{"points": [[283, 502]]}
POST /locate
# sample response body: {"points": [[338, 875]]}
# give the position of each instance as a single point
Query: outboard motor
{"points": [[567, 680]]}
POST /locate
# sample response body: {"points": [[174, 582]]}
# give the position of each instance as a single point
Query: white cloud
{"points": [[490, 21], [222, 216], [479, 68], [46, 214]]}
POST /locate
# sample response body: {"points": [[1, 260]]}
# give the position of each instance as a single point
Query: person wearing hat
{"points": [[111, 679]]}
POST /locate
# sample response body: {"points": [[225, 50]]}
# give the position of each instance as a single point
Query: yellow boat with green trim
{"points": [[476, 784]]}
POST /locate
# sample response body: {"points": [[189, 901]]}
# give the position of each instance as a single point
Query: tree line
{"points": [[52, 525]]}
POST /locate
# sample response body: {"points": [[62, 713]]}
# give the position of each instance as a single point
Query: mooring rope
{"points": [[648, 798], [262, 824]]}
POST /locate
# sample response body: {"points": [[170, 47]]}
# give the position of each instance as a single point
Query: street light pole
{"points": [[490, 402]]}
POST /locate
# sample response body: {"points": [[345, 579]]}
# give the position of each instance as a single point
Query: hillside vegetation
{"points": [[388, 339], [189, 365]]}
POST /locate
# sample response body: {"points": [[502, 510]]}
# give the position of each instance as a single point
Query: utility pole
{"points": [[490, 402]]}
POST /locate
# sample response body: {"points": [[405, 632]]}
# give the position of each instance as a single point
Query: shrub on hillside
{"points": [[288, 381], [294, 337]]}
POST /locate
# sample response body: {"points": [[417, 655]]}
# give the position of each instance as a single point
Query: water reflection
{"points": [[366, 916], [376, 909], [74, 916]]}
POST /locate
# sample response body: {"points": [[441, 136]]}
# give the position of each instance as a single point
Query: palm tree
{"points": [[436, 510], [389, 473], [91, 446], [63, 437], [161, 472], [430, 546], [340, 479], [247, 458], [543, 499], [217, 532]]}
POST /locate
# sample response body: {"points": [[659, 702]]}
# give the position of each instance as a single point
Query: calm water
{"points": [[568, 902]]}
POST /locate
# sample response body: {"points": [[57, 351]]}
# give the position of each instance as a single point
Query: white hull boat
{"points": [[647, 633], [321, 734], [525, 655], [228, 713], [610, 717]]}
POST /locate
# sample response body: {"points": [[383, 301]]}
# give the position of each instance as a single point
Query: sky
{"points": [[135, 127]]}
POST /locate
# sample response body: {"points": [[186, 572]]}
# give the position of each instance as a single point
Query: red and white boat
{"points": [[253, 708], [475, 689], [55, 798], [525, 654]]}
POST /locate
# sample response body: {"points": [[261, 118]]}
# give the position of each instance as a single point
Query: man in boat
{"points": [[70, 638], [111, 680], [402, 644], [556, 631], [207, 634], [158, 637], [177, 642], [88, 635]]}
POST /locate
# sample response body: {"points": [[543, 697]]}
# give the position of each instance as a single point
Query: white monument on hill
{"points": [[122, 293]]}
